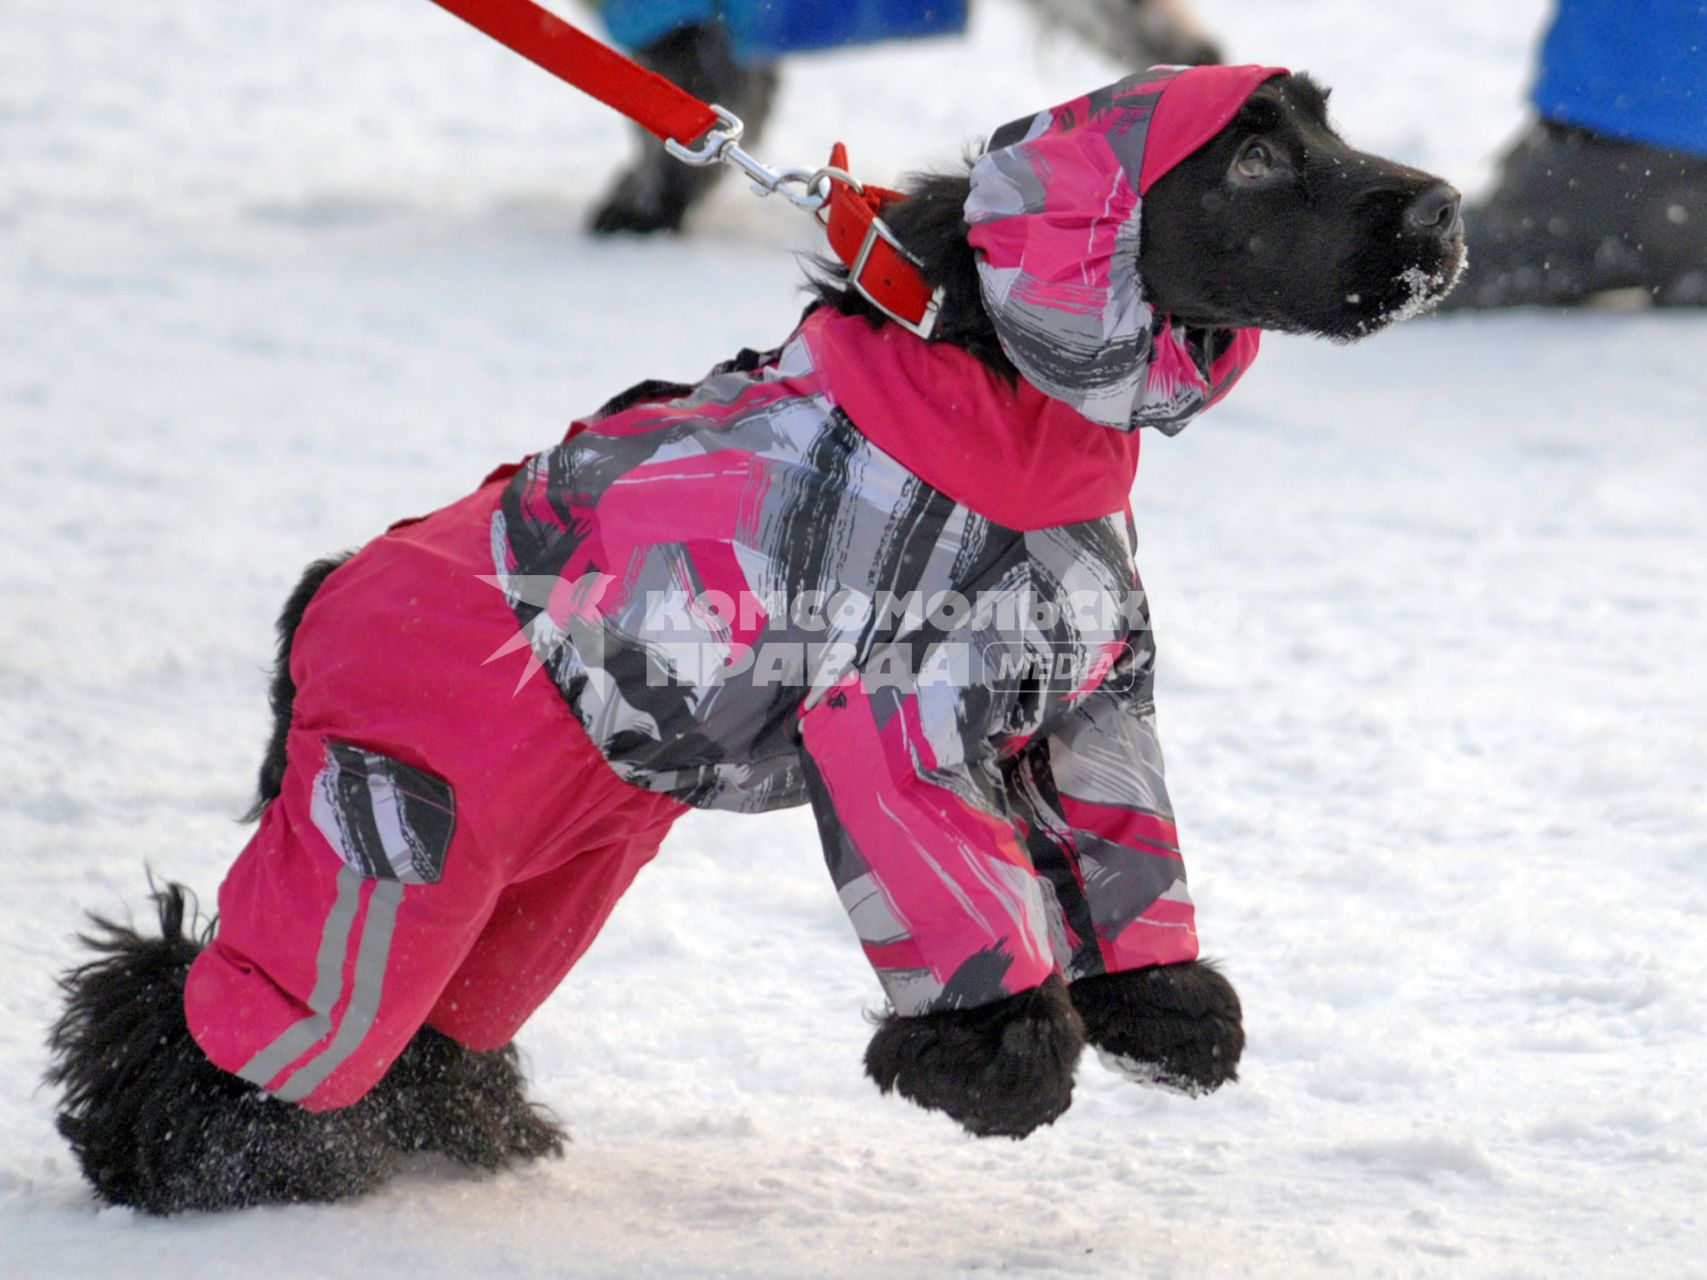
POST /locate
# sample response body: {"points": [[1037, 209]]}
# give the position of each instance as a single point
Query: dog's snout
{"points": [[1435, 212]]}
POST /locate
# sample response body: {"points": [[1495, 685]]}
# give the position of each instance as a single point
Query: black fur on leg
{"points": [[1001, 1069], [470, 1107], [1173, 1025], [157, 1126], [282, 694]]}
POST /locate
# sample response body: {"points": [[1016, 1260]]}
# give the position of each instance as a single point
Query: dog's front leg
{"points": [[1001, 1069], [1177, 1026], [933, 874], [1101, 832]]}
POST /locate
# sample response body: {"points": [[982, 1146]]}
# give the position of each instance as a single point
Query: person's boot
{"points": [[1577, 213], [657, 190]]}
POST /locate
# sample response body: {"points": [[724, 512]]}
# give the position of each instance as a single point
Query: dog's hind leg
{"points": [[281, 695], [1177, 1026], [158, 1127], [445, 1097]]}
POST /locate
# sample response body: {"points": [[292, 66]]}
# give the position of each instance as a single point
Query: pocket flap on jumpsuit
{"points": [[386, 819]]}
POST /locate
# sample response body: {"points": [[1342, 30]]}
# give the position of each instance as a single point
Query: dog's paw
{"points": [[1176, 1026], [467, 1106], [157, 1126], [1001, 1069]]}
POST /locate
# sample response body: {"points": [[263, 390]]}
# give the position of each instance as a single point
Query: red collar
{"points": [[879, 269]]}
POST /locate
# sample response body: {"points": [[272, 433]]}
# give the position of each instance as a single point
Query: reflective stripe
{"points": [[328, 986], [364, 999]]}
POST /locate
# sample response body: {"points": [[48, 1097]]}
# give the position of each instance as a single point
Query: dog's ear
{"points": [[931, 225]]}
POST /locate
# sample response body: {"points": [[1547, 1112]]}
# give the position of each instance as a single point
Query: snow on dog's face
{"points": [[1129, 241]]}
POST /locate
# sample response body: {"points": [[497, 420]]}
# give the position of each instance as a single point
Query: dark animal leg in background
{"points": [[1576, 213], [657, 190]]}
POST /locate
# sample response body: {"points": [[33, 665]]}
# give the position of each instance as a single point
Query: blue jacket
{"points": [[1629, 68], [764, 29]]}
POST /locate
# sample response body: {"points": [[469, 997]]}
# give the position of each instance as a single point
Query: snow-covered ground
{"points": [[1431, 622]]}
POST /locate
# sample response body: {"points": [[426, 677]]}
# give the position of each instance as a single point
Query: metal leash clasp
{"points": [[720, 145]]}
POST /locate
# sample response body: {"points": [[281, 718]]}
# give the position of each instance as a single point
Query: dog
{"points": [[487, 719]]}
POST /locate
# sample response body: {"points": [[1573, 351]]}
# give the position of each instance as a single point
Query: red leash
{"points": [[543, 38], [878, 267]]}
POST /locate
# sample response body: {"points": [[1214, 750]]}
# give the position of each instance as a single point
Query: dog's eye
{"points": [[1257, 160]]}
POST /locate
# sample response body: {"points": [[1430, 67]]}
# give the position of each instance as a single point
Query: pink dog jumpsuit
{"points": [[862, 572]]}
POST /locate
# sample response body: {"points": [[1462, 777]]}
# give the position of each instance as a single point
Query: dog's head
{"points": [[1277, 223], [1120, 251]]}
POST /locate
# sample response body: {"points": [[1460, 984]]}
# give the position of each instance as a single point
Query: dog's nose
{"points": [[1435, 212]]}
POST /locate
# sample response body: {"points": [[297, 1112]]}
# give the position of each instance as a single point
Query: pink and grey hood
{"points": [[1055, 212]]}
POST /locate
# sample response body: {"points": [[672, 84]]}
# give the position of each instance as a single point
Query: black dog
{"points": [[1276, 223]]}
